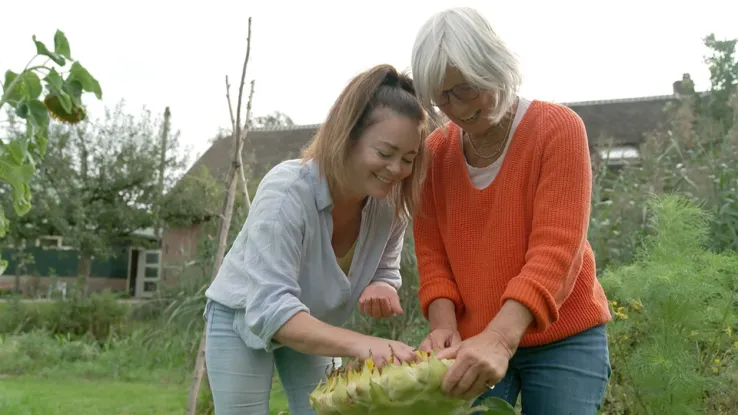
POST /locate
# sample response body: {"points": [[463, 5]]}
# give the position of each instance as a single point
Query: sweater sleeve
{"points": [[435, 274], [560, 220]]}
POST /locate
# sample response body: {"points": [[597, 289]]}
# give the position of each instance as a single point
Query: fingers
{"points": [[448, 353], [468, 380], [455, 373], [376, 308], [478, 388], [395, 306], [427, 344], [407, 355], [380, 307], [384, 306], [455, 340], [401, 352]]}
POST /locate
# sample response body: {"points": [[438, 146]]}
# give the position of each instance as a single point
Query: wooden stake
{"points": [[239, 134]]}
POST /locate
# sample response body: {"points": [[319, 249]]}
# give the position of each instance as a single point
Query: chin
{"points": [[380, 194], [478, 126], [380, 191]]}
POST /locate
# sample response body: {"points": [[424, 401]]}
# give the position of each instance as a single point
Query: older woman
{"points": [[507, 277]]}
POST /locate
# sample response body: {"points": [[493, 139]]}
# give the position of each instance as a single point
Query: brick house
{"points": [[621, 123]]}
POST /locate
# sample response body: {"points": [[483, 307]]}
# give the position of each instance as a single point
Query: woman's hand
{"points": [[439, 339], [384, 351], [481, 362], [380, 300]]}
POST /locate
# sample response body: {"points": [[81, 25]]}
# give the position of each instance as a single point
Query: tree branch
{"points": [[245, 183], [243, 80], [230, 106]]}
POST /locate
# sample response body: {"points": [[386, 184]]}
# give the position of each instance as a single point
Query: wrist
{"points": [[510, 324], [382, 283], [354, 344], [442, 315]]}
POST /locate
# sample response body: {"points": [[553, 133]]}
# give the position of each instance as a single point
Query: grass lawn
{"points": [[61, 396]]}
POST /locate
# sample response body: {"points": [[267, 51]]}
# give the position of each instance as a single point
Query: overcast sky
{"points": [[156, 53]]}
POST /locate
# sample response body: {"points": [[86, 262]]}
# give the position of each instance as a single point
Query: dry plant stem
{"points": [[225, 222], [239, 153], [245, 183]]}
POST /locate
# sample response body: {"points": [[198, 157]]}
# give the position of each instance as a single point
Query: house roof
{"points": [[624, 121]]}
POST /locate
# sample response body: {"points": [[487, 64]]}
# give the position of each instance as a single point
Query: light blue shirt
{"points": [[282, 261]]}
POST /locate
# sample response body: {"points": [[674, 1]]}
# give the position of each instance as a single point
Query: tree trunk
{"points": [[84, 268], [162, 166]]}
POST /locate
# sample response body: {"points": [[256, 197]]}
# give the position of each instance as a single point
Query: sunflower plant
{"points": [[51, 89]]}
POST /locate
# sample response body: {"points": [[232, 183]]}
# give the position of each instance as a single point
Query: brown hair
{"points": [[352, 113]]}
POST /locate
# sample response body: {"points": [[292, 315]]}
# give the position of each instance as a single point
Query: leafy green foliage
{"points": [[675, 309], [692, 155], [97, 316], [181, 209], [23, 92]]}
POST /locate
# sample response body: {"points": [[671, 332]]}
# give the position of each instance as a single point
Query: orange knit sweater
{"points": [[524, 237]]}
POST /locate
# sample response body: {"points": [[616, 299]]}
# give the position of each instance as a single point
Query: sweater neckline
{"points": [[460, 160]]}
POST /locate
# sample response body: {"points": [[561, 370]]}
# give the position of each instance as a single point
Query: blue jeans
{"points": [[241, 377], [567, 377]]}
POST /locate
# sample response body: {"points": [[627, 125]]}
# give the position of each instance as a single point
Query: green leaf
{"points": [[22, 110], [497, 406], [17, 149], [74, 88], [61, 45], [38, 115], [12, 93], [32, 84], [9, 78], [41, 49], [4, 226], [17, 176], [27, 86], [89, 83], [40, 142], [55, 83]]}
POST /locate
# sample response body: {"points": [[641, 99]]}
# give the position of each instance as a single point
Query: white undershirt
{"points": [[482, 177]]}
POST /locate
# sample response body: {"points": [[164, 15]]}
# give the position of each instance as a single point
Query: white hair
{"points": [[462, 38]]}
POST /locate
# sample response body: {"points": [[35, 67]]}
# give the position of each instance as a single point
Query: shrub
{"points": [[673, 343], [98, 316]]}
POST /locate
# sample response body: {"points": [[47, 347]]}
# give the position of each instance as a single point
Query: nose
{"points": [[394, 167], [457, 108]]}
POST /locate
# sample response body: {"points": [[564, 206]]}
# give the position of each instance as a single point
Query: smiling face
{"points": [[384, 154], [464, 104]]}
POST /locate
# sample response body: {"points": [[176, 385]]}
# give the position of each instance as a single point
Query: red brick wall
{"points": [[178, 245]]}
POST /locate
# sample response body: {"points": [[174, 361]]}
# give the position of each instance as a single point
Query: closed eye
{"points": [[386, 156]]}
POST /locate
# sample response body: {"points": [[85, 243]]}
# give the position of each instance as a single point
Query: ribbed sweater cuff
{"points": [[536, 298]]}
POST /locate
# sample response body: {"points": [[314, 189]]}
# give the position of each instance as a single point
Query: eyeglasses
{"points": [[462, 92]]}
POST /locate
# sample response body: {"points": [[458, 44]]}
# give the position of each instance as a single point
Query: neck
{"points": [[496, 132], [347, 206]]}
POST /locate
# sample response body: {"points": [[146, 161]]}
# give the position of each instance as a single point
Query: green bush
{"points": [[98, 316], [38, 349], [673, 339]]}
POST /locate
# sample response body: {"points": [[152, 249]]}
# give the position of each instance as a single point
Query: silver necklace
{"points": [[499, 149]]}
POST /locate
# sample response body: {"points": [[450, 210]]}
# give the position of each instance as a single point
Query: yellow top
{"points": [[345, 261]]}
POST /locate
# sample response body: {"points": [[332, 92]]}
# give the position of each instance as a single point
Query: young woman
{"points": [[323, 234], [507, 277]]}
